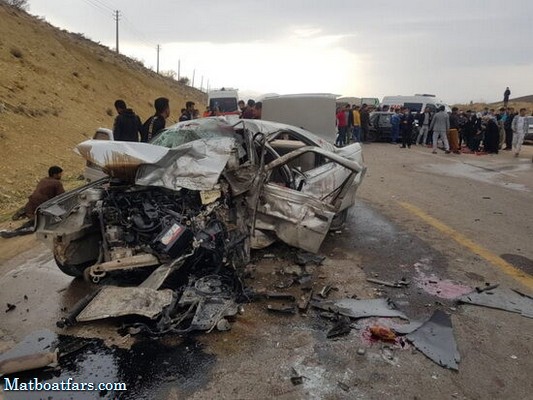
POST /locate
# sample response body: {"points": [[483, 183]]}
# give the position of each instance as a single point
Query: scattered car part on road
{"points": [[398, 284], [360, 308], [502, 299], [436, 341], [28, 362]]}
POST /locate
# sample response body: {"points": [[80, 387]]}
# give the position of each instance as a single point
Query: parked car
{"points": [[529, 133], [202, 188], [381, 128]]}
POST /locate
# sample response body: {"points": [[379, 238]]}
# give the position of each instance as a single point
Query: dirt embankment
{"points": [[56, 89]]}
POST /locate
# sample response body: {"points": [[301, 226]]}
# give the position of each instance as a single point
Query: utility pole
{"points": [[202, 84], [179, 70], [117, 17], [193, 73], [158, 49]]}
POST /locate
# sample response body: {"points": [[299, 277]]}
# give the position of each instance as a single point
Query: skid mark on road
{"points": [[464, 241]]}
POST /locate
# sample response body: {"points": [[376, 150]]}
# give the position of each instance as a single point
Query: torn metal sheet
{"points": [[213, 299], [405, 329], [304, 258], [360, 308], [436, 340], [195, 165], [501, 299], [120, 159], [114, 301]]}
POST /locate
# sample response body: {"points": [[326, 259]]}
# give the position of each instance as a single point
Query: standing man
{"points": [[127, 126], [506, 95], [424, 119], [453, 133], [248, 112], [365, 122], [395, 126], [156, 123], [440, 125], [406, 127], [519, 127], [356, 116], [341, 128], [507, 125], [242, 107]]}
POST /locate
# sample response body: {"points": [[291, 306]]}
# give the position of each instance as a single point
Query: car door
{"points": [[301, 215]]}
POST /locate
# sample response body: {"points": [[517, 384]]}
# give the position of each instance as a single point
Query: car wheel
{"points": [[372, 136], [72, 270], [339, 220]]}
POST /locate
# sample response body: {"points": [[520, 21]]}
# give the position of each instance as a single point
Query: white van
{"points": [[416, 103], [223, 100]]}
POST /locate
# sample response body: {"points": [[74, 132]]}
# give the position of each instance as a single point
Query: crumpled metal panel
{"points": [[501, 299], [115, 301], [298, 219], [195, 165], [120, 159], [354, 308], [435, 339]]}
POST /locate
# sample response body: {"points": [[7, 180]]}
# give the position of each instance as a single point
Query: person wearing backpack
{"points": [[156, 123]]}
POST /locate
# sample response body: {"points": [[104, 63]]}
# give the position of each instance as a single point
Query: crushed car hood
{"points": [[195, 165]]}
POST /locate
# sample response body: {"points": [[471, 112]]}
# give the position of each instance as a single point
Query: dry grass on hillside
{"points": [[56, 89]]}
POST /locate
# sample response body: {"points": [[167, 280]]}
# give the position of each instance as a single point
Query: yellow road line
{"points": [[481, 251]]}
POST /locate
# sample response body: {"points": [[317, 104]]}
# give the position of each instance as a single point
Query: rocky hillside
{"points": [[56, 89]]}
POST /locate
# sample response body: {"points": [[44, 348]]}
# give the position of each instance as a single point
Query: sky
{"points": [[459, 50]]}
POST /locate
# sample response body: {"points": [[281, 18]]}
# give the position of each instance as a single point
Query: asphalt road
{"points": [[446, 223]]}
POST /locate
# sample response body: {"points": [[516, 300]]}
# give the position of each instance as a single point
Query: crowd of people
{"points": [[128, 127], [353, 124], [483, 132]]}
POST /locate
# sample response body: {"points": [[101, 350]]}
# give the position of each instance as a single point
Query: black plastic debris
{"points": [[397, 284], [282, 308], [502, 299], [343, 386], [342, 327], [304, 258], [360, 308], [436, 341], [296, 378]]}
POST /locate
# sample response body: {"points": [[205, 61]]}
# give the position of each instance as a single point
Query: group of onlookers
{"points": [[485, 132], [353, 124], [128, 127], [459, 131]]}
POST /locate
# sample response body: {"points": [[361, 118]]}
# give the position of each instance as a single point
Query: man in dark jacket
{"points": [[156, 123], [365, 122], [127, 126], [406, 127]]}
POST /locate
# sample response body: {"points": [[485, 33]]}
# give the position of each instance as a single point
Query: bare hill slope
{"points": [[56, 89]]}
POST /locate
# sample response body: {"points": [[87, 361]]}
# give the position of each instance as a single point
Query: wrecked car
{"points": [[198, 197]]}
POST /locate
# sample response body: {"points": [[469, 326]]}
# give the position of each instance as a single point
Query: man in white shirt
{"points": [[519, 127]]}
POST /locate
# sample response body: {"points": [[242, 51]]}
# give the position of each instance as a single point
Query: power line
{"points": [[96, 6], [105, 5]]}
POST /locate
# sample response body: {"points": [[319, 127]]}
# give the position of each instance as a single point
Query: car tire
{"points": [[372, 136], [72, 270], [339, 220]]}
